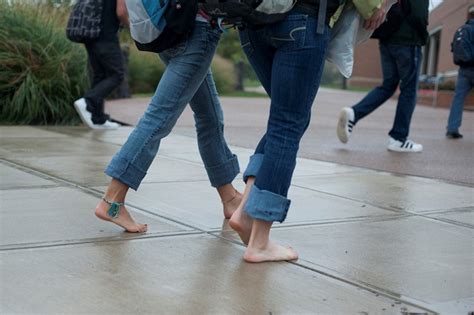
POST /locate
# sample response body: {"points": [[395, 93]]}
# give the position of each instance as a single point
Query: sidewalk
{"points": [[246, 120], [370, 242]]}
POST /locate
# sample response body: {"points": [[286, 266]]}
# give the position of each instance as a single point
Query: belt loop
{"points": [[322, 16]]}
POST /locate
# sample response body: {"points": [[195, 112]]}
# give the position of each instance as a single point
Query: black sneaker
{"points": [[453, 135]]}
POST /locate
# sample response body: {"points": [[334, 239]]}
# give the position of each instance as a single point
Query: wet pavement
{"points": [[246, 120], [370, 242]]}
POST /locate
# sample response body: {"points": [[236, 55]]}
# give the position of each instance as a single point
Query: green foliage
{"points": [[331, 75], [41, 71], [224, 74], [229, 48], [144, 71]]}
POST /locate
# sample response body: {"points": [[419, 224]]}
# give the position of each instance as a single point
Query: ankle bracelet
{"points": [[235, 196], [114, 209]]}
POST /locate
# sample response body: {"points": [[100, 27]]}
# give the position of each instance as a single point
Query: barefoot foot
{"points": [[272, 252], [231, 205], [124, 219], [241, 222]]}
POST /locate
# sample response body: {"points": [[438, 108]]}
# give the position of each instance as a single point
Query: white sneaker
{"points": [[345, 124], [106, 126], [406, 146], [81, 107]]}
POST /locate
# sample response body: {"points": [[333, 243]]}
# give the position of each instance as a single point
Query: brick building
{"points": [[437, 58]]}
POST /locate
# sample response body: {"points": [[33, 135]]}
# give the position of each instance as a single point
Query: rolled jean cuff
{"points": [[224, 173], [124, 171], [255, 163], [266, 205]]}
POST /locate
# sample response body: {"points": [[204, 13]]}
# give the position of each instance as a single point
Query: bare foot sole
{"points": [[272, 252], [231, 206], [242, 224], [123, 220]]}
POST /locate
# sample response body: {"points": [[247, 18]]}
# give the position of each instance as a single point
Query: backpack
{"points": [[158, 25], [462, 46], [84, 22]]}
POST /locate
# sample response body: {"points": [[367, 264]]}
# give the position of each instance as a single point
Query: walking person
{"points": [[288, 58], [106, 60], [463, 55], [187, 79], [400, 42]]}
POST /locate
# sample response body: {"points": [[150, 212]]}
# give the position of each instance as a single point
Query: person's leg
{"points": [[109, 56], [260, 54], [188, 63], [408, 63], [382, 93], [296, 74], [463, 86], [98, 72], [221, 165]]}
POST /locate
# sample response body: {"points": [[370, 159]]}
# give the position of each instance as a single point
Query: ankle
{"points": [[230, 197], [227, 193], [116, 191], [260, 237]]}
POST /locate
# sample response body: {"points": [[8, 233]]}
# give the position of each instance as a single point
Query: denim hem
{"points": [[254, 165], [397, 136], [266, 205], [224, 173], [124, 171]]}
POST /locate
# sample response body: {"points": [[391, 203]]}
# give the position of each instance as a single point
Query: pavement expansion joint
{"points": [[447, 221], [31, 187], [324, 271], [96, 240], [393, 209]]}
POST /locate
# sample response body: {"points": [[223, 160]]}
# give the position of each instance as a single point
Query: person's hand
{"points": [[377, 18]]}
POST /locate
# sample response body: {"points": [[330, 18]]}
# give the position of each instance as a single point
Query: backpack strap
{"points": [[323, 4]]}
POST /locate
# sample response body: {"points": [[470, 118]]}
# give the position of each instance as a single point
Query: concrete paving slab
{"points": [[465, 217], [11, 178], [164, 169], [67, 146], [28, 132], [117, 136], [178, 275], [408, 193], [84, 169], [413, 257], [61, 215], [198, 204], [89, 170]]}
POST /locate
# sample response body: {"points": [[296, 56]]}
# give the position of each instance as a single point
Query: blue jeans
{"points": [[400, 64], [187, 79], [288, 58], [464, 84]]}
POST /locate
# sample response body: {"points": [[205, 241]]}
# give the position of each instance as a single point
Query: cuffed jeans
{"points": [[106, 60], [187, 79], [288, 58], [464, 84], [400, 64]]}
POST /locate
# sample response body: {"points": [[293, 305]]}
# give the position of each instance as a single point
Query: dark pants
{"points": [[464, 84], [106, 60], [400, 64]]}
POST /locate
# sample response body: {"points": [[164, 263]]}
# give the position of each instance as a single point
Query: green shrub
{"points": [[144, 71], [224, 74], [41, 71]]}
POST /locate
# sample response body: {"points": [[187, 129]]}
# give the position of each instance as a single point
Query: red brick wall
{"points": [[367, 71]]}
